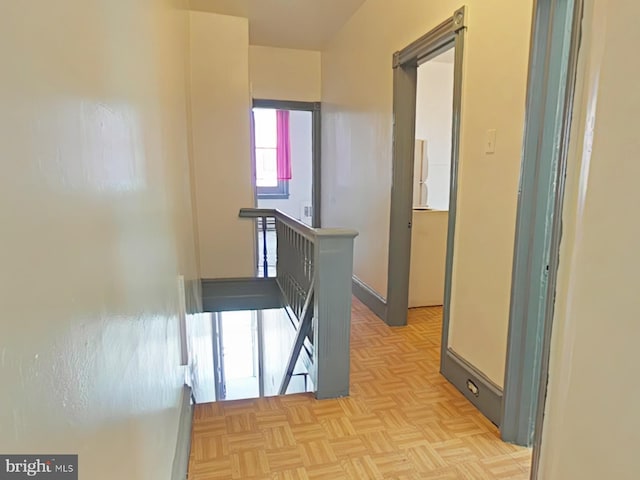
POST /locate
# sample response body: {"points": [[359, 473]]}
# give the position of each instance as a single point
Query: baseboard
{"points": [[183, 443], [225, 294], [371, 299], [487, 399]]}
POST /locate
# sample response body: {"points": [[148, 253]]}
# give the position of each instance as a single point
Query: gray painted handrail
{"points": [[291, 222], [301, 228]]}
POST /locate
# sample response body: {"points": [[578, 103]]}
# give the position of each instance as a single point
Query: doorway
{"points": [[446, 40], [432, 178], [517, 409], [295, 188], [446, 37], [286, 168]]}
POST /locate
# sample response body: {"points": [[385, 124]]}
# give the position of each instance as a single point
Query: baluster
{"points": [[282, 248], [307, 262], [278, 247], [265, 262], [297, 274], [275, 226], [294, 293], [312, 267], [282, 252], [303, 266], [289, 256], [301, 293]]}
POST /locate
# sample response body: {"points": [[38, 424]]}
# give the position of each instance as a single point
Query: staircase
{"points": [[311, 285]]}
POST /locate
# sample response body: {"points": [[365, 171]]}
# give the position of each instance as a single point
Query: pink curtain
{"points": [[283, 151]]}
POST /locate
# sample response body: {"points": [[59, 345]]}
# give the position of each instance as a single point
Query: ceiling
{"points": [[301, 24]]}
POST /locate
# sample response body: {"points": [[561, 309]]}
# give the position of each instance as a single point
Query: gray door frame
{"points": [[551, 85], [472, 383], [405, 68], [315, 109]]}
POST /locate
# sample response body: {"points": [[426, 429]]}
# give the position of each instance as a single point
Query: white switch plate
{"points": [[490, 141]]}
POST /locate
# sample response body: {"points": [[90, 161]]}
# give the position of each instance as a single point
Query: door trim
{"points": [[316, 140], [475, 386], [551, 84], [405, 65]]}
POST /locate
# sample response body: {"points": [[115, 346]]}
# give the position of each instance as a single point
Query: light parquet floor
{"points": [[402, 420]]}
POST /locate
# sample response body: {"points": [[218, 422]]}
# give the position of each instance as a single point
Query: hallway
{"points": [[403, 420]]}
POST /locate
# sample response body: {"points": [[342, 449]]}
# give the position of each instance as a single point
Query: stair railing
{"points": [[314, 269]]}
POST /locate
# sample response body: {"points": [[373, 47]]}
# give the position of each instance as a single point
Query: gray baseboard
{"points": [[488, 397], [225, 294], [183, 443], [371, 299]]}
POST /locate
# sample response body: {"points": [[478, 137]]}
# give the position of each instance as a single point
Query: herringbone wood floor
{"points": [[403, 420]]}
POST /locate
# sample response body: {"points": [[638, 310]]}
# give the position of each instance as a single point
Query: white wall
{"points": [[300, 127], [284, 74], [96, 226], [434, 120], [356, 151], [220, 113], [591, 428]]}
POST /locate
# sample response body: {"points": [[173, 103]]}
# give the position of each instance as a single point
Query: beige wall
{"points": [[356, 151], [284, 74], [428, 257], [220, 113], [592, 425], [96, 226]]}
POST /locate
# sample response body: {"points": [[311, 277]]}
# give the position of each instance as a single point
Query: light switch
{"points": [[490, 141]]}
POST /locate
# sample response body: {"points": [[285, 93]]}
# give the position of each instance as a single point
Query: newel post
{"points": [[333, 270]]}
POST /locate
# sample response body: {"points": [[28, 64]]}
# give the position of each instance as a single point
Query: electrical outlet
{"points": [[473, 388]]}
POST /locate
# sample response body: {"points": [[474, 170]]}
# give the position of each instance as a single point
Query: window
{"points": [[270, 182]]}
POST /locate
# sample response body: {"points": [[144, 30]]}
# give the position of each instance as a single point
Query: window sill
{"points": [[273, 196]]}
